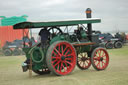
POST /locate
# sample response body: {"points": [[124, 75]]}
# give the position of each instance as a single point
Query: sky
{"points": [[113, 13]]}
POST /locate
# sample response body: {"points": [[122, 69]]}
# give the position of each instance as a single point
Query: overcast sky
{"points": [[113, 13]]}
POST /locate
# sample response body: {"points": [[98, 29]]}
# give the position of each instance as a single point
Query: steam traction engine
{"points": [[63, 50]]}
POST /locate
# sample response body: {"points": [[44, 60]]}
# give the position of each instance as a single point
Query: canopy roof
{"points": [[29, 25]]}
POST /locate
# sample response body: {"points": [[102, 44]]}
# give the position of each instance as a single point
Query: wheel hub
{"points": [[84, 59], [101, 59], [62, 58]]}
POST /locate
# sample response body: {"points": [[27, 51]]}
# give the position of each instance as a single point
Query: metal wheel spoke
{"points": [[80, 62], [84, 64], [81, 54], [56, 57], [102, 64], [68, 58], [68, 63], [66, 52], [102, 54], [57, 63], [95, 61], [65, 48], [69, 54], [104, 59], [98, 64], [53, 30], [96, 58], [61, 66], [87, 62], [99, 53], [57, 51], [79, 59], [54, 61], [54, 53], [56, 31], [62, 49], [96, 55], [58, 67], [88, 58], [85, 55], [64, 68]]}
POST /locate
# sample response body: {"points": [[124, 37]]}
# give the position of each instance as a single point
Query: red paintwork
{"points": [[7, 33], [66, 65]]}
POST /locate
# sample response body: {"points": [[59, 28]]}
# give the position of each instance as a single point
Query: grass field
{"points": [[116, 73]]}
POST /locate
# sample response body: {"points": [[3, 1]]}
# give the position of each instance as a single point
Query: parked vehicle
{"points": [[110, 41], [15, 47]]}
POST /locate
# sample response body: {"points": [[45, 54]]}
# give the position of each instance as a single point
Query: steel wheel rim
{"points": [[83, 61], [63, 58], [101, 59]]}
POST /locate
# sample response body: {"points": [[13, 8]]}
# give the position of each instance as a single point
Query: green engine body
{"points": [[38, 54]]}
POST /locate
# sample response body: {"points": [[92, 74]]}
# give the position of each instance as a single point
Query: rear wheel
{"points": [[118, 44], [7, 52], [83, 61], [100, 58], [61, 58]]}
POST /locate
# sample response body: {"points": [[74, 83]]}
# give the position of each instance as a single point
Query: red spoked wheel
{"points": [[100, 58], [83, 61], [61, 58]]}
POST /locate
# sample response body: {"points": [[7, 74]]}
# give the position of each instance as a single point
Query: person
{"points": [[44, 34], [78, 32]]}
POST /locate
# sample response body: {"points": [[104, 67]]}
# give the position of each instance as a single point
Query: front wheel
{"points": [[100, 58], [118, 44], [7, 52], [109, 45], [83, 61], [61, 58]]}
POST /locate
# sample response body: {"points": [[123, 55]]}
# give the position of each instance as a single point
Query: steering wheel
{"points": [[55, 31]]}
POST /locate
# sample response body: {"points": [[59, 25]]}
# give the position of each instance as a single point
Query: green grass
{"points": [[116, 73]]}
